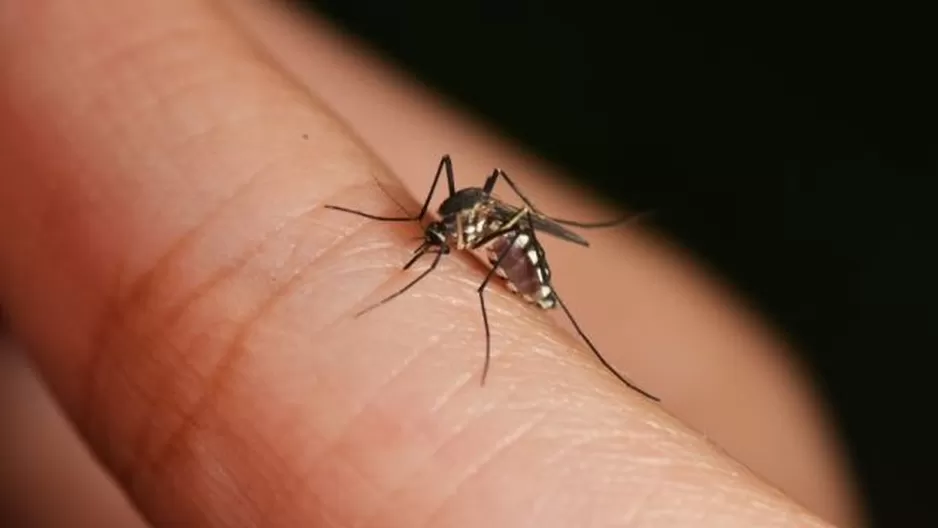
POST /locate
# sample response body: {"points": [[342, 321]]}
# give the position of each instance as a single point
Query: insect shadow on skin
{"points": [[471, 219]]}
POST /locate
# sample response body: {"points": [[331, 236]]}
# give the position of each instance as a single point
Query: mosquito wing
{"points": [[545, 224], [539, 222]]}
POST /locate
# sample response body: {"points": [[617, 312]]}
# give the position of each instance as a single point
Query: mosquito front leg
{"points": [[445, 164], [532, 241], [423, 250]]}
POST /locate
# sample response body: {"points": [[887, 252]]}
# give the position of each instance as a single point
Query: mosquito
{"points": [[472, 219]]}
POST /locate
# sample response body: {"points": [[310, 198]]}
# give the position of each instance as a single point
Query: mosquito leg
{"points": [[499, 173], [423, 274], [485, 317], [490, 182], [419, 252], [371, 216], [599, 356], [445, 163], [532, 241]]}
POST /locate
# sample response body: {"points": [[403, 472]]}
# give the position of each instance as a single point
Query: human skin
{"points": [[169, 267]]}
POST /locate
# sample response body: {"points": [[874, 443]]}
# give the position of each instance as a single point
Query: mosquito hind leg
{"points": [[446, 164], [532, 241], [499, 173], [599, 356]]}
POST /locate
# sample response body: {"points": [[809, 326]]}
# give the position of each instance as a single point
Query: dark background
{"points": [[789, 146]]}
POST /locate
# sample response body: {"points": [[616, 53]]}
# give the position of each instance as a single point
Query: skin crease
{"points": [[203, 342]]}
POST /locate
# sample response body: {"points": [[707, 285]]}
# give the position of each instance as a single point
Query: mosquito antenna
{"points": [[421, 252]]}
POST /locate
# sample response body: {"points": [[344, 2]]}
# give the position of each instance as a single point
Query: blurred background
{"points": [[787, 147]]}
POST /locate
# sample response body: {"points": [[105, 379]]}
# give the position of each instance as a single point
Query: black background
{"points": [[790, 146]]}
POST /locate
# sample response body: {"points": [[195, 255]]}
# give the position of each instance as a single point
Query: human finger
{"points": [[189, 304]]}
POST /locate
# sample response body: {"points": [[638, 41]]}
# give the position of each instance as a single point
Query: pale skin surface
{"points": [[168, 265]]}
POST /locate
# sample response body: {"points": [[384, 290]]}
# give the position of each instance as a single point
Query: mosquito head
{"points": [[434, 241], [435, 235]]}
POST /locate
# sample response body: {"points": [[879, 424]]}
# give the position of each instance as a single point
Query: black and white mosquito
{"points": [[473, 219]]}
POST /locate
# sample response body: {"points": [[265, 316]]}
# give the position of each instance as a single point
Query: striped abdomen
{"points": [[524, 268]]}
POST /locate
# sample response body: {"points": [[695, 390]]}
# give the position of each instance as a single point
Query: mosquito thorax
{"points": [[462, 200], [470, 221]]}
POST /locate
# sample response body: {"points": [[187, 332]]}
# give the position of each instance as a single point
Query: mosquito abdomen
{"points": [[523, 268]]}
